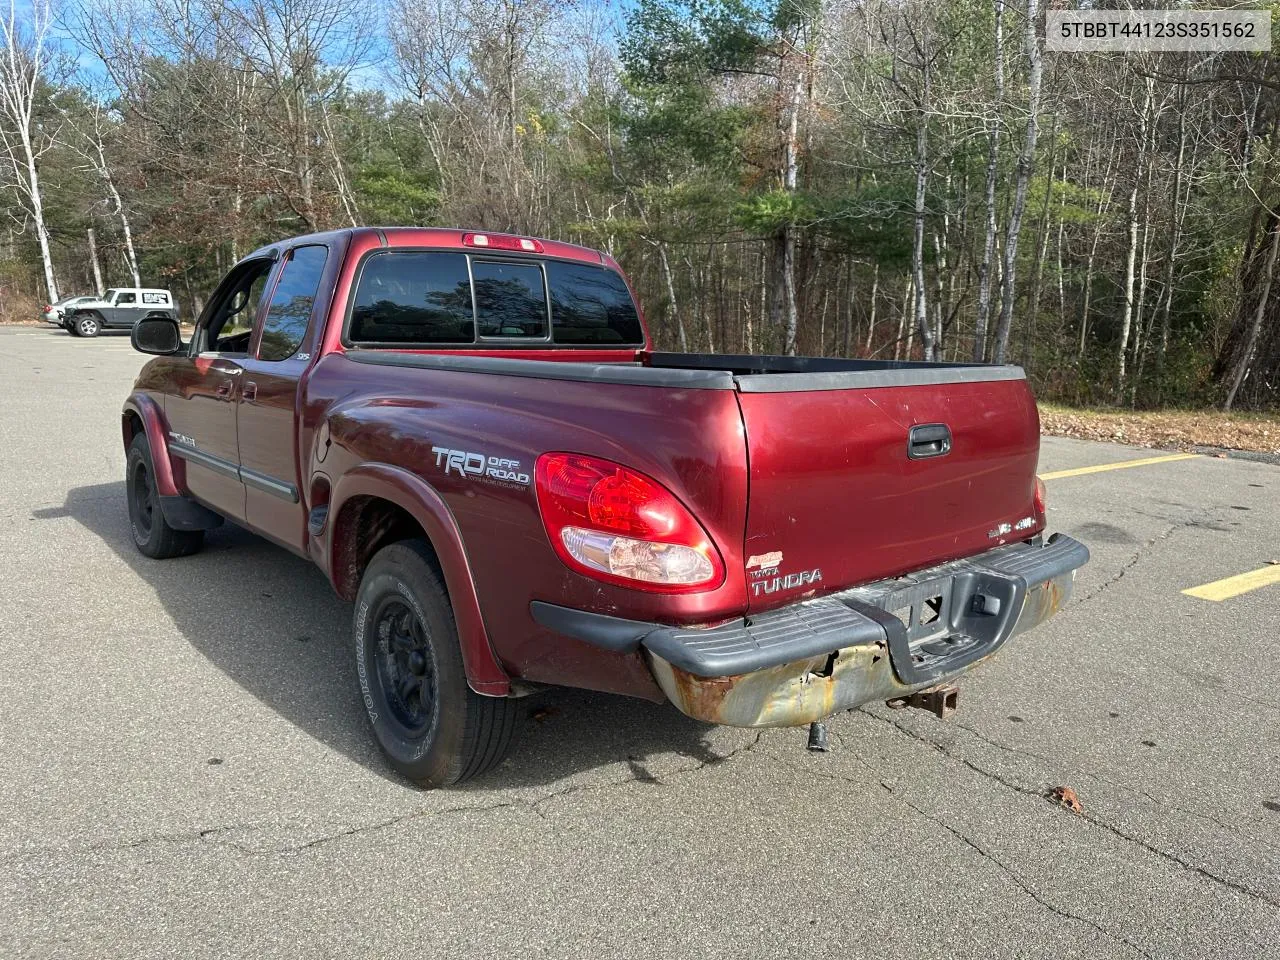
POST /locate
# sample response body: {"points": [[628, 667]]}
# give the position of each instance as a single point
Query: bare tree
{"points": [[23, 64], [1026, 165]]}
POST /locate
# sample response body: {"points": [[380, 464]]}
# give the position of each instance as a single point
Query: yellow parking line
{"points": [[1234, 586], [1121, 465]]}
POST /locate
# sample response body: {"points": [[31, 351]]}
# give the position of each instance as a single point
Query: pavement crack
{"points": [[219, 835], [1019, 881], [1132, 562], [388, 823], [1087, 817], [1132, 790]]}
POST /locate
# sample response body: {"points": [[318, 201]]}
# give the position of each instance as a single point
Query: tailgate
{"points": [[842, 492]]}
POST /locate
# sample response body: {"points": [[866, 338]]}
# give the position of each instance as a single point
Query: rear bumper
{"points": [[812, 659]]}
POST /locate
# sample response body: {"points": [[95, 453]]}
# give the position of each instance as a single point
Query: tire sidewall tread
{"points": [[469, 733]]}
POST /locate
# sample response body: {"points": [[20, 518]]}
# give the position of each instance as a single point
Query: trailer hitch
{"points": [[941, 701]]}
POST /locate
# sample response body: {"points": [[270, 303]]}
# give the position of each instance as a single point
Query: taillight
{"points": [[1038, 503], [500, 241], [620, 526]]}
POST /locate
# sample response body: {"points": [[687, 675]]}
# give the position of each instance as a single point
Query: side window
{"points": [[413, 297], [591, 305], [126, 299], [290, 310], [510, 299]]}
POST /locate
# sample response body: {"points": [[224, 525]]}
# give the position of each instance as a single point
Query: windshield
{"points": [[109, 294]]}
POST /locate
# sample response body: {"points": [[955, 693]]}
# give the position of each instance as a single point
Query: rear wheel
{"points": [[151, 532], [88, 325], [434, 728]]}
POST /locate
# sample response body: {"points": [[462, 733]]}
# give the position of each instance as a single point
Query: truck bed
{"points": [[857, 469]]}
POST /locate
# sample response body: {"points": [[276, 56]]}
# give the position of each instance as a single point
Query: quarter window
{"points": [[413, 298], [295, 295]]}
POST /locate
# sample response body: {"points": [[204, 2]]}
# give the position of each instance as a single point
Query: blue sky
{"points": [[370, 76]]}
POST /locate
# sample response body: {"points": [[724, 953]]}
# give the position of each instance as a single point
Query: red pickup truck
{"points": [[469, 433]]}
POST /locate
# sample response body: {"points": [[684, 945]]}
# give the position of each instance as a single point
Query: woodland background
{"points": [[887, 178]]}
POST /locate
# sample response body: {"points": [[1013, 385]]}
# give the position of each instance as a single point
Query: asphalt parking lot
{"points": [[187, 770]]}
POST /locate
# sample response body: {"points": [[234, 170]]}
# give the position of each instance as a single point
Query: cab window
{"points": [[126, 298]]}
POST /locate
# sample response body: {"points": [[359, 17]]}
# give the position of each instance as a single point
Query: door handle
{"points": [[224, 389], [929, 440], [249, 391]]}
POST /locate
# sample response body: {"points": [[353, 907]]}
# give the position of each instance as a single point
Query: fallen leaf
{"points": [[1165, 429], [543, 713], [1066, 797]]}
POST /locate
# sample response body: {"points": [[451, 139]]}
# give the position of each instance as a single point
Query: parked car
{"points": [[53, 312], [471, 436], [119, 307]]}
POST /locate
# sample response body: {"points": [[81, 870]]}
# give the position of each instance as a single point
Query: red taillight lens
{"points": [[618, 525], [501, 241], [1038, 503]]}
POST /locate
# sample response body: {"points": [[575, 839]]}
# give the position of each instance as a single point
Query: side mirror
{"points": [[157, 335]]}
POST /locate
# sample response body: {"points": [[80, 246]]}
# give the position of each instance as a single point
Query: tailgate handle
{"points": [[929, 440]]}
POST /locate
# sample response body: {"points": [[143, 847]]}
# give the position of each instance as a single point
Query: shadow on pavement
{"points": [[271, 622]]}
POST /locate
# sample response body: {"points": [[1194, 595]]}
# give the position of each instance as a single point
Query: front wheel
{"points": [[88, 326], [434, 728], [151, 532]]}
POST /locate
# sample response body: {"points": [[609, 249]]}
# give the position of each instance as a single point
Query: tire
{"points": [[152, 534], [434, 729], [88, 325]]}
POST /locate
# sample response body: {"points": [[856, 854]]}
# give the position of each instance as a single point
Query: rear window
{"points": [[413, 298], [429, 297]]}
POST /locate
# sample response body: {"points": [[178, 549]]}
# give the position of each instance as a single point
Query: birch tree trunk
{"points": [[104, 171], [787, 250], [1026, 164], [671, 295], [992, 228], [922, 183], [93, 262], [1126, 319], [22, 61], [875, 289]]}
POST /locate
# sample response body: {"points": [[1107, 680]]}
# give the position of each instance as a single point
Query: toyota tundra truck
{"points": [[471, 435]]}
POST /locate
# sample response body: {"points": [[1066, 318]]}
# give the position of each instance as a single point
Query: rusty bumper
{"points": [[802, 691], [880, 641]]}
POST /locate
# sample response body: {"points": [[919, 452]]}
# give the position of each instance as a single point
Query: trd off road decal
{"points": [[478, 466]]}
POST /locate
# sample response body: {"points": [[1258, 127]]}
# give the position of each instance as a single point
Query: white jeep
{"points": [[119, 307]]}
